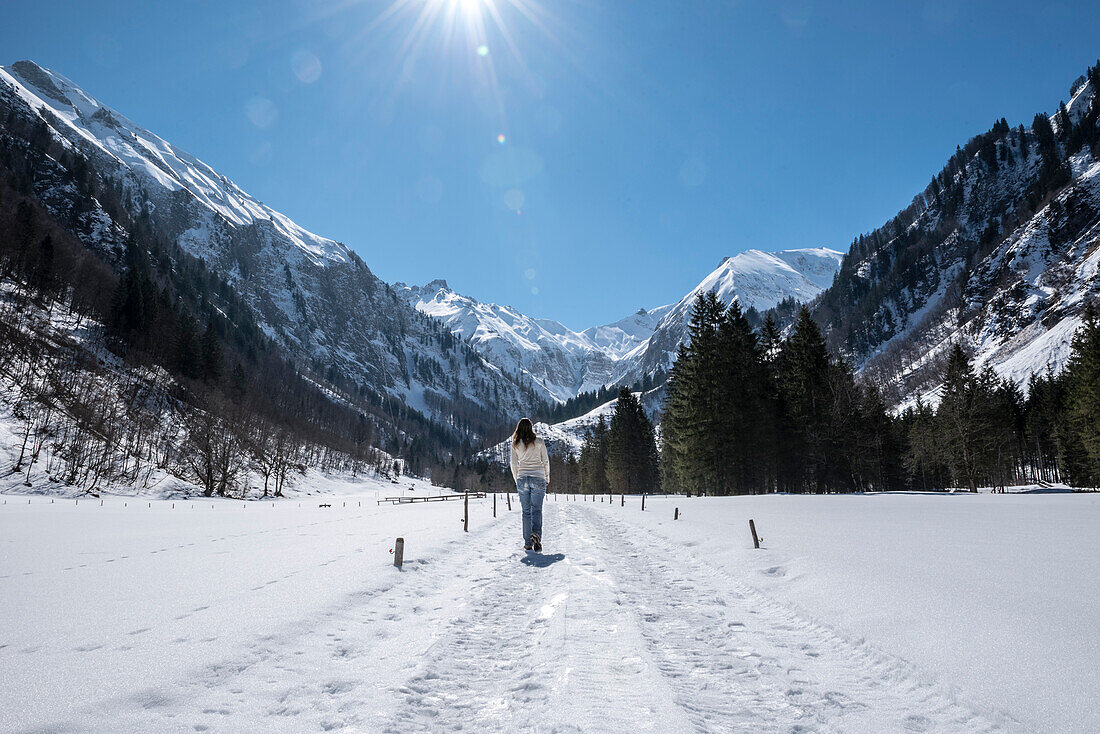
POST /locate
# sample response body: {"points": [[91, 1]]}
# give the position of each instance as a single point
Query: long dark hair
{"points": [[524, 432]]}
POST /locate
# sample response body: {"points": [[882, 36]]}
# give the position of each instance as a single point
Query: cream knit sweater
{"points": [[530, 460]]}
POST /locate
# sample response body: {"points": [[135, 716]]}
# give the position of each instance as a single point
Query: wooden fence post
{"points": [[623, 498], [755, 540], [399, 552], [676, 514], [466, 512], [643, 501], [508, 496], [494, 504]]}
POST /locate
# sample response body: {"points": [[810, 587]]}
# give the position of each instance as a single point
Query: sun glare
{"points": [[474, 40], [477, 27]]}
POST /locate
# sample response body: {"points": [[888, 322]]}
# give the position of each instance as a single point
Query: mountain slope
{"points": [[561, 361], [313, 296], [1000, 252]]}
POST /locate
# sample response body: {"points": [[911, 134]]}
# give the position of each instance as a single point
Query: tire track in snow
{"points": [[739, 661], [539, 648]]}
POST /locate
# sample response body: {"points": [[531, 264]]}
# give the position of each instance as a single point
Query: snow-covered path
{"points": [[600, 633]]}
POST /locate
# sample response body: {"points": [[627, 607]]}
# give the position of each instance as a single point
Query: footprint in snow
{"points": [[916, 722]]}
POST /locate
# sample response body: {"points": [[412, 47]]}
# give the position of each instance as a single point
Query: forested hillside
{"points": [[160, 323], [999, 253]]}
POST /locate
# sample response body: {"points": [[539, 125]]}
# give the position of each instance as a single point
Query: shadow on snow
{"points": [[538, 560]]}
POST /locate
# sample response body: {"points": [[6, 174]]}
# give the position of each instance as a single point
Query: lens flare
{"points": [[501, 139]]}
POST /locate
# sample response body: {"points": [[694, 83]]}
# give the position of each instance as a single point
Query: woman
{"points": [[531, 470]]}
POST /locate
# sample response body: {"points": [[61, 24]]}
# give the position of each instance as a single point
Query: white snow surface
{"points": [[894, 613]]}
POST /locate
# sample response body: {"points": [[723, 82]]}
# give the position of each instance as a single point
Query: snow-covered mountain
{"points": [[625, 335], [756, 279], [561, 361], [313, 296], [565, 362], [1001, 253]]}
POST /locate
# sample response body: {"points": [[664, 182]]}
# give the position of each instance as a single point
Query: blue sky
{"points": [[643, 141]]}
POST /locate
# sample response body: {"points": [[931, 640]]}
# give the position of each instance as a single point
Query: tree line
{"points": [[748, 412]]}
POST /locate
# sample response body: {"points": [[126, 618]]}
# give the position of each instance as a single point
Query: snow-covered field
{"points": [[861, 613]]}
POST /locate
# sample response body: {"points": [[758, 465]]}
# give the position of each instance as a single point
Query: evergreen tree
{"points": [[593, 461], [770, 338], [802, 372], [1065, 125], [964, 419], [1083, 402], [690, 428], [674, 441], [922, 457], [42, 274], [740, 404], [1044, 426], [186, 359], [210, 364], [631, 448]]}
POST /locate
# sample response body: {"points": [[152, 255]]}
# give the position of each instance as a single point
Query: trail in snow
{"points": [[604, 632]]}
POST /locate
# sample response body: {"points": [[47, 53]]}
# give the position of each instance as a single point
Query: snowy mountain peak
{"points": [[762, 279], [561, 361], [755, 279]]}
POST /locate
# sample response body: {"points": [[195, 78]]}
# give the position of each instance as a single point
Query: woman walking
{"points": [[531, 470]]}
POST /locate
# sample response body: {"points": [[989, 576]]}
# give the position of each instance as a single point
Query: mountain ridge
{"points": [[566, 363]]}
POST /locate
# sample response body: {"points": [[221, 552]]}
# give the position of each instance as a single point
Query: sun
{"points": [[470, 42], [467, 25]]}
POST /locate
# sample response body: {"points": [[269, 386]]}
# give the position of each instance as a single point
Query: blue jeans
{"points": [[532, 491]]}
